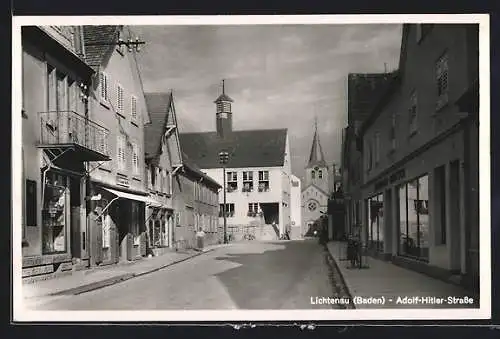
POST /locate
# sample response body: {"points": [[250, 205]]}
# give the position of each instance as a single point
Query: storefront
{"points": [[159, 228], [117, 226], [414, 210]]}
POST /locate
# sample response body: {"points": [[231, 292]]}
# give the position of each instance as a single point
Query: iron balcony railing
{"points": [[69, 127]]}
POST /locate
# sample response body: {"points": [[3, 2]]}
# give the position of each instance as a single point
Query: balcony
{"points": [[62, 131]]}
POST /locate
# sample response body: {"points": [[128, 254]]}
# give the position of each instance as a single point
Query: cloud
{"points": [[280, 76]]}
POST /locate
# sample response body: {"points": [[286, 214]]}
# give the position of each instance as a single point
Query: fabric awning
{"points": [[135, 197]]}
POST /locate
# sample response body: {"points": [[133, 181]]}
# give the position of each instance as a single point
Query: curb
{"points": [[343, 280], [118, 279]]}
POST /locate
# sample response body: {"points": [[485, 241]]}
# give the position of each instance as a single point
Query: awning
{"points": [[135, 197]]}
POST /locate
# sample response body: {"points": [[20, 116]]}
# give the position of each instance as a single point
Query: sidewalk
{"points": [[384, 279], [95, 278]]}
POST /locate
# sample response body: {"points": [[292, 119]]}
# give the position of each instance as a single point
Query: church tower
{"points": [[317, 169], [224, 115]]}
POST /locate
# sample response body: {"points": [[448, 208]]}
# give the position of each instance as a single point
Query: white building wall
{"points": [[242, 199], [296, 202]]}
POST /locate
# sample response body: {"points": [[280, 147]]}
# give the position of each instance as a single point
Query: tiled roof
{"points": [[251, 148], [364, 91], [99, 43], [194, 169], [157, 105]]}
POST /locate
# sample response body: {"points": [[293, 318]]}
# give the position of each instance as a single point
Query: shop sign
{"points": [[37, 270], [122, 181]]}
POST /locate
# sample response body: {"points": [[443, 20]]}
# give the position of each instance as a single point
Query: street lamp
{"points": [[223, 159]]}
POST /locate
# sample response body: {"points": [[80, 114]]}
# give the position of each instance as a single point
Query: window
{"points": [[135, 158], [119, 99], [320, 174], [30, 203], [253, 209], [229, 210], [120, 152], [376, 222], [313, 174], [392, 132], [104, 86], [413, 112], [133, 108], [166, 182], [232, 181], [414, 219], [263, 181], [247, 181], [442, 81]]}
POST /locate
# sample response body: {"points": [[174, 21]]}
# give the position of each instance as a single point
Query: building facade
{"points": [[57, 148], [420, 190], [195, 198], [163, 161], [116, 219], [187, 199], [364, 90], [258, 173]]}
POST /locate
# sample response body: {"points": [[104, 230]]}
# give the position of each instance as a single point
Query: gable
{"points": [[311, 191]]}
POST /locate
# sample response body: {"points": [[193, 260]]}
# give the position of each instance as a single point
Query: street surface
{"points": [[253, 275]]}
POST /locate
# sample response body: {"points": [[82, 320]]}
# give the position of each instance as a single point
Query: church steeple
{"points": [[224, 115], [316, 157]]}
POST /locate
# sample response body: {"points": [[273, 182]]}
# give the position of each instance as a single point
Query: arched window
{"points": [[320, 174], [313, 174]]}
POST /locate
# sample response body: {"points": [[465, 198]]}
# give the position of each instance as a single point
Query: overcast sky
{"points": [[279, 76]]}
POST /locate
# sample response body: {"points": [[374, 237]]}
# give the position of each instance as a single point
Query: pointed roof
{"points": [[223, 96], [316, 158], [158, 105]]}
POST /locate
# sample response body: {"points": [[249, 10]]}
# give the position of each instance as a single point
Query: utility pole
{"points": [[223, 159]]}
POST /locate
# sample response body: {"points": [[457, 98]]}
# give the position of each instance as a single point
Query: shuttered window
{"points": [[103, 84], [119, 99], [133, 108], [121, 158], [135, 158]]}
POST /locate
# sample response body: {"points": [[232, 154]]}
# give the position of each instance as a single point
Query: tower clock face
{"points": [[316, 168], [312, 205]]}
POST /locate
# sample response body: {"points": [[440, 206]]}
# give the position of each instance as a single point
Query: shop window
{"points": [[54, 214], [376, 222], [414, 219]]}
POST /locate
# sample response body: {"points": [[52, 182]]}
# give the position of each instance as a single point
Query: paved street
{"points": [[279, 275]]}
